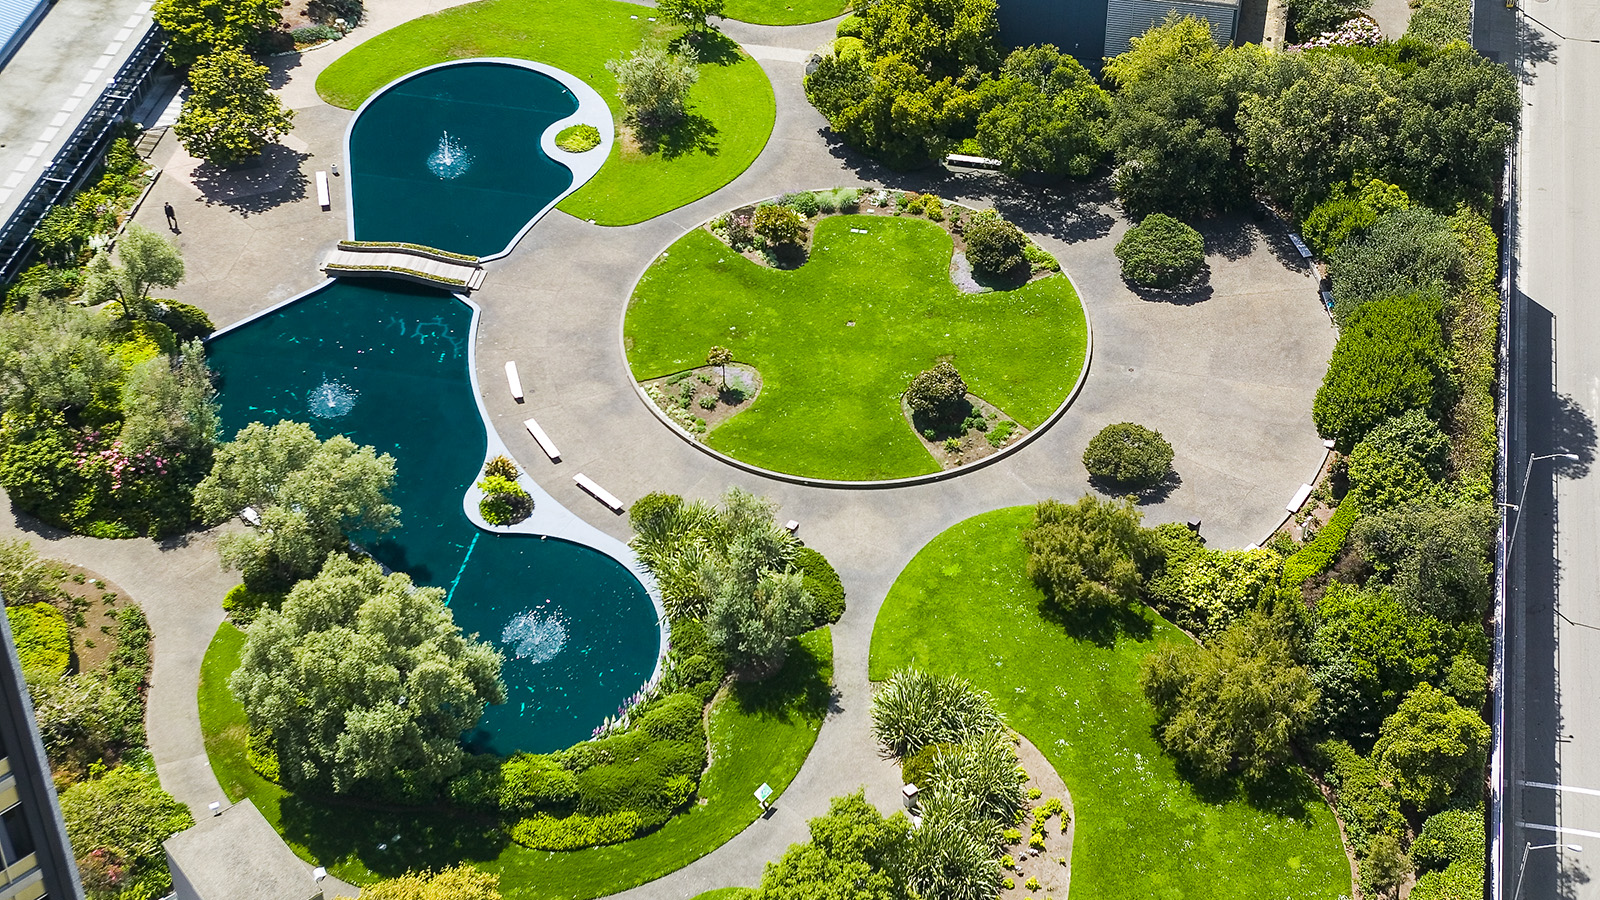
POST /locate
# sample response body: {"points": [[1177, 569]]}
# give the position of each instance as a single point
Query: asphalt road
{"points": [[1554, 611]]}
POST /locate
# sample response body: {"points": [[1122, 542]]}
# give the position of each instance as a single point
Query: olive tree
{"points": [[144, 260], [654, 84], [364, 683], [1088, 557]]}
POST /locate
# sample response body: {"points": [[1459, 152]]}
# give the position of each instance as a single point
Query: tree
{"points": [[1435, 557], [230, 114], [720, 357], [1210, 589], [1389, 359], [1455, 834], [462, 882], [915, 709], [1332, 118], [1401, 460], [1458, 116], [169, 409], [25, 577], [752, 624], [311, 495], [119, 821], [890, 107], [692, 13], [1408, 251], [1129, 454], [1044, 113], [683, 543], [994, 245], [778, 224], [938, 394], [854, 854], [653, 85], [197, 28], [146, 260], [941, 38], [364, 683], [1385, 867], [1089, 556], [1161, 252], [56, 356], [1233, 706], [1430, 747]]}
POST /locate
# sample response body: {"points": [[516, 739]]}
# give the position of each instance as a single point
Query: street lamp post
{"points": [[1527, 472], [1523, 869]]}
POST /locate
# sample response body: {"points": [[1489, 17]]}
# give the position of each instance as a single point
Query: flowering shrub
{"points": [[1361, 31]]}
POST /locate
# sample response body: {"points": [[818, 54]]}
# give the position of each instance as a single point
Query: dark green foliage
{"points": [[1088, 557], [1044, 113], [1431, 748], [1435, 557], [994, 245], [187, 322], [1450, 836], [938, 395], [1369, 807], [918, 767], [1409, 251], [1467, 680], [1161, 252], [655, 783], [805, 203], [1235, 705], [1463, 880], [1349, 213], [1460, 113], [1399, 461], [532, 782], [676, 717], [1309, 18], [1312, 559], [62, 235], [822, 582], [1389, 359], [242, 604], [854, 854]]}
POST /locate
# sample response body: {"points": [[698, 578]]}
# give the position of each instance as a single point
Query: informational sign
{"points": [[764, 793]]}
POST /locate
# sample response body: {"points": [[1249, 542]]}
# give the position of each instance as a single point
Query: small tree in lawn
{"points": [[778, 225], [1161, 252], [994, 246], [938, 394], [230, 114], [720, 357], [144, 260], [1088, 557], [692, 13], [654, 84], [1129, 455]]}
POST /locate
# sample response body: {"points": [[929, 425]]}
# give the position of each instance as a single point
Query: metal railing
{"points": [[80, 156]]}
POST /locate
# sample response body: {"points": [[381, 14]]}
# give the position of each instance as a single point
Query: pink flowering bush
{"points": [[1360, 31]]}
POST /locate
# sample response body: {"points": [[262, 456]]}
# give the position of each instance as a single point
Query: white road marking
{"points": [[111, 48], [4, 196], [12, 180], [1567, 788], [58, 120], [123, 35], [69, 106], [49, 134], [1560, 829], [80, 90], [133, 22]]}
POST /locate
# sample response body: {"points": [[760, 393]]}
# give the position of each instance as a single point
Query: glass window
{"points": [[15, 839]]}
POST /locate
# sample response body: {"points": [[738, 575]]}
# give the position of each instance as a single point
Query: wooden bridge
{"points": [[412, 262]]}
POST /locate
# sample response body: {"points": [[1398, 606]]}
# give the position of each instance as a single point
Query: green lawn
{"points": [[965, 605], [784, 12], [730, 110], [758, 732], [830, 399], [727, 893]]}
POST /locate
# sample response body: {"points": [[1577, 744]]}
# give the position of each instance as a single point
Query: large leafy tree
{"points": [[752, 622], [230, 114], [890, 107], [1409, 250], [311, 495], [1458, 116], [1090, 556], [169, 409], [653, 84], [197, 28], [942, 38], [854, 854], [1435, 557], [1430, 747], [1235, 705], [144, 260], [364, 683], [56, 356], [1044, 113], [693, 13]]}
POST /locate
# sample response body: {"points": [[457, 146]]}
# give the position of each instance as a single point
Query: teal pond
{"points": [[386, 363]]}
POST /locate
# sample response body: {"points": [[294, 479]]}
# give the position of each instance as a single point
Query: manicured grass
{"points": [[829, 405], [966, 606], [730, 110], [784, 12], [727, 893], [759, 732]]}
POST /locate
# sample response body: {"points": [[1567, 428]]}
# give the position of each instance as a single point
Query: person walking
{"points": [[172, 218]]}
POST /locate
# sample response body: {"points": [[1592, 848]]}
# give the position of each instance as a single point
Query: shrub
{"points": [[1434, 556], [938, 394], [1088, 557], [918, 769], [1130, 455], [1389, 359], [822, 582], [1312, 559], [994, 245], [1430, 747], [1368, 806], [915, 708], [1450, 836], [1161, 252], [504, 501], [243, 605], [676, 717], [578, 138], [1349, 213], [1313, 17], [805, 203], [124, 814], [188, 323], [315, 34], [1438, 22], [1001, 432], [1400, 461], [851, 26], [501, 466], [532, 781], [40, 633], [259, 754], [778, 225], [460, 882], [1212, 588], [1460, 881], [1408, 250], [544, 832]]}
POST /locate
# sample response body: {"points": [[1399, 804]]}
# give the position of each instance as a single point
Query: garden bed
{"points": [[985, 432], [697, 400]]}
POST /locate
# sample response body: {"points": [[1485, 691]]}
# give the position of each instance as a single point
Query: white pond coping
{"points": [[592, 110]]}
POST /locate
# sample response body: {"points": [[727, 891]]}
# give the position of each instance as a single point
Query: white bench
{"points": [[598, 492], [545, 444], [514, 380], [1300, 498], [323, 199]]}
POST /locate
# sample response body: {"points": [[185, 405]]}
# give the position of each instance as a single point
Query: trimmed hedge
{"points": [[40, 632], [542, 832], [1455, 835], [1390, 358], [1314, 558], [819, 577]]}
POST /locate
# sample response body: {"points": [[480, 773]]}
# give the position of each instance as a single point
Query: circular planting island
{"points": [[825, 334]]}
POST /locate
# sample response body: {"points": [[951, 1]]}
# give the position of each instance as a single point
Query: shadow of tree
{"points": [[264, 183], [801, 687], [693, 134], [1141, 496], [1103, 625], [1285, 791], [711, 48], [1197, 291], [1537, 49], [1572, 431], [389, 840]]}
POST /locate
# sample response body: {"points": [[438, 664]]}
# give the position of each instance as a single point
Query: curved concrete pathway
{"points": [[1227, 378]]}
